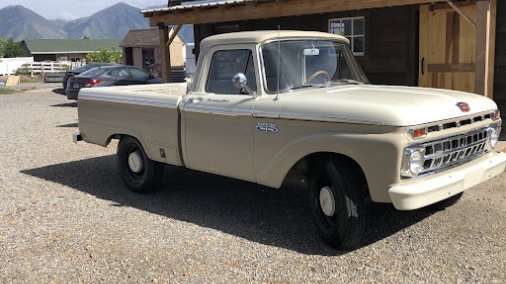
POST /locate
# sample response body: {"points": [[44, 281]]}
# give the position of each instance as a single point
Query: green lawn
{"points": [[34, 79], [4, 91]]}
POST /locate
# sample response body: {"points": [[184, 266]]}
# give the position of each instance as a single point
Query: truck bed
{"points": [[138, 111]]}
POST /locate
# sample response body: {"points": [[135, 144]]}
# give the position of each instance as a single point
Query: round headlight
{"points": [[494, 137], [413, 161], [416, 160]]}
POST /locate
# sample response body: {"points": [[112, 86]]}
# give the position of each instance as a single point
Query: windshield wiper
{"points": [[308, 86], [348, 81]]}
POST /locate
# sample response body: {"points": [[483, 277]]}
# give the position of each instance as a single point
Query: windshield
{"points": [[95, 71], [91, 66], [295, 64], [85, 68]]}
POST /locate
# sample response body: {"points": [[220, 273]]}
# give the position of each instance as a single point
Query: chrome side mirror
{"points": [[240, 82]]}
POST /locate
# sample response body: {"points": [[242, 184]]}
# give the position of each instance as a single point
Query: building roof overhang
{"points": [[202, 12]]}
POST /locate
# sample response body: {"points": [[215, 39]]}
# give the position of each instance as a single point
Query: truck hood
{"points": [[383, 105]]}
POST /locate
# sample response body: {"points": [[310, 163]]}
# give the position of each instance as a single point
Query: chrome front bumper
{"points": [[426, 190]]}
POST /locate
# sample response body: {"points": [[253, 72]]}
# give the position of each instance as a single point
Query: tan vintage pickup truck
{"points": [[270, 106]]}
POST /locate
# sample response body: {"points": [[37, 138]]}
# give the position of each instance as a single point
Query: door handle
{"points": [[195, 100], [422, 66]]}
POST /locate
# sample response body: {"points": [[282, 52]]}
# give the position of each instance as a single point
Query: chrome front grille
{"points": [[458, 123], [454, 150]]}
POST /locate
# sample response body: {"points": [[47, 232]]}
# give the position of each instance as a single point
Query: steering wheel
{"points": [[318, 73]]}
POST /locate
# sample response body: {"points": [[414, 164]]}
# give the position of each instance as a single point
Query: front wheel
{"points": [[138, 172], [337, 202]]}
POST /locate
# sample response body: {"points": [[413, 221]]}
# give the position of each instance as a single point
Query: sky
{"points": [[73, 9]]}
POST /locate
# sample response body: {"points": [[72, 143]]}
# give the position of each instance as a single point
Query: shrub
{"points": [[104, 55], [25, 69]]}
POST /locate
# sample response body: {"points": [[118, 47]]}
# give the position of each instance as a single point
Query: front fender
{"points": [[379, 156]]}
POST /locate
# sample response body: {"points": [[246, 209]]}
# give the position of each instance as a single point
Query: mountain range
{"points": [[20, 23]]}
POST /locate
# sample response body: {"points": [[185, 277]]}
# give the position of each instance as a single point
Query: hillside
{"points": [[111, 23], [20, 23], [114, 22]]}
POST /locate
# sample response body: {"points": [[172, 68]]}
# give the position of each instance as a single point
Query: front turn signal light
{"points": [[418, 133], [497, 115]]}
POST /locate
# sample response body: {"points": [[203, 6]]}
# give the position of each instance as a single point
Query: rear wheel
{"points": [[337, 202], [138, 172]]}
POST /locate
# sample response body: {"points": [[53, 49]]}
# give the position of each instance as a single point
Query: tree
{"points": [[86, 36], [1, 48], [104, 55], [10, 48]]}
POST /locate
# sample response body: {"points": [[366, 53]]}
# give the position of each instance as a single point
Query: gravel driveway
{"points": [[65, 217]]}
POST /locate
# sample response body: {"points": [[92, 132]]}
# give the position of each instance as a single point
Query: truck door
{"points": [[217, 121]]}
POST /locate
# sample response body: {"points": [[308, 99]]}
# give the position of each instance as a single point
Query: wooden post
{"points": [[490, 56], [174, 34], [164, 51], [481, 46], [485, 47]]}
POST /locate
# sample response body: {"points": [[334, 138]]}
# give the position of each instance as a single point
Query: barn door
{"points": [[447, 48]]}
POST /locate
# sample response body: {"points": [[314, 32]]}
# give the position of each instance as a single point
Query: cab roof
{"points": [[261, 36]]}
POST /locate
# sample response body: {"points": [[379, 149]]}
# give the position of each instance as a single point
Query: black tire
{"points": [[443, 204], [345, 227], [150, 172]]}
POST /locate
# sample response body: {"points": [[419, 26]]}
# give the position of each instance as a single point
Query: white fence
{"points": [[74, 65], [8, 66], [47, 67]]}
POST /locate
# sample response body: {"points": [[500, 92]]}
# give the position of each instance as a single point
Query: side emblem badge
{"points": [[267, 127], [464, 107]]}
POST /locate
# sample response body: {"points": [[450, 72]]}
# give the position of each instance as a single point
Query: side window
{"points": [[120, 73], [224, 65], [139, 74]]}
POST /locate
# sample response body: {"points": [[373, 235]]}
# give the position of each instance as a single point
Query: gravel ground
{"points": [[65, 217]]}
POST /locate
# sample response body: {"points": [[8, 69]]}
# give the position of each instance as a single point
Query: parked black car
{"points": [[109, 76], [77, 71]]}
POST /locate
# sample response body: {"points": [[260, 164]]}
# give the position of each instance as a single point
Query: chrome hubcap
{"points": [[135, 162], [327, 203]]}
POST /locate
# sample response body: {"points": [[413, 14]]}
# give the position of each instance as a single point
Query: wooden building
{"points": [[500, 57], [74, 50], [444, 44], [141, 48]]}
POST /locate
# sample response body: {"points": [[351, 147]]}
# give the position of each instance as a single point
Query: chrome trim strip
{"points": [[130, 100], [217, 110], [328, 118], [265, 114]]}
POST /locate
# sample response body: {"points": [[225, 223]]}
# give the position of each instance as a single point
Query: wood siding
{"points": [[391, 39], [44, 57], [500, 56], [448, 49]]}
